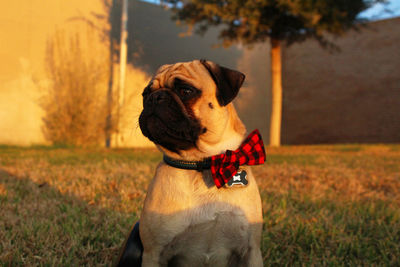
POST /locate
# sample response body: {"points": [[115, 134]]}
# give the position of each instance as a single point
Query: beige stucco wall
{"points": [[25, 28], [20, 115]]}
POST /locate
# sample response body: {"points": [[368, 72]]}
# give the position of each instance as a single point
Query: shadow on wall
{"points": [[154, 40]]}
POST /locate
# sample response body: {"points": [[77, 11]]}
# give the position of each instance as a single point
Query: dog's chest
{"points": [[215, 232], [216, 229], [198, 224]]}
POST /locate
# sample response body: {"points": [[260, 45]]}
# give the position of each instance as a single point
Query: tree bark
{"points": [[109, 119], [276, 112]]}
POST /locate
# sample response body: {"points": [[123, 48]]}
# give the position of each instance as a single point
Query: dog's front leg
{"points": [[155, 253], [152, 247], [157, 233], [151, 258], [255, 258]]}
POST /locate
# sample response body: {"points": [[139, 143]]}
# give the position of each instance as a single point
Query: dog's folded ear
{"points": [[228, 81]]}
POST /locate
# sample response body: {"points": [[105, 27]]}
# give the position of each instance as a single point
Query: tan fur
{"points": [[186, 219]]}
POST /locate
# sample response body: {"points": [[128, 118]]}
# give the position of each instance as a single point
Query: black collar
{"points": [[188, 165]]}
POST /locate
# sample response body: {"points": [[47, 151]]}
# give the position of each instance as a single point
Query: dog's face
{"points": [[187, 109]]}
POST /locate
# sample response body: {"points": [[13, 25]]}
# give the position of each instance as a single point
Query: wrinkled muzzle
{"points": [[166, 122]]}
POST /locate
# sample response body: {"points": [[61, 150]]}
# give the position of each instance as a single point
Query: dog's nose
{"points": [[158, 97]]}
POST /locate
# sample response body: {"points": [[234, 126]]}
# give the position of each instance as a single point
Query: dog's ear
{"points": [[228, 81]]}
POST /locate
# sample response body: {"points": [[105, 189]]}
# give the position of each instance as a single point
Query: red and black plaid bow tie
{"points": [[250, 152]]}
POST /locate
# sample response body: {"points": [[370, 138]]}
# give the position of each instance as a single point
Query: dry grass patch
{"points": [[323, 205]]}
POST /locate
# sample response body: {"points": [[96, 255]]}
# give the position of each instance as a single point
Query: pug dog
{"points": [[191, 218]]}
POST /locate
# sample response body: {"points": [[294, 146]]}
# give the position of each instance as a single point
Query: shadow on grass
{"points": [[41, 226]]}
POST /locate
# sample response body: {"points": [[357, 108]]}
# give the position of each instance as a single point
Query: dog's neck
{"points": [[231, 140]]}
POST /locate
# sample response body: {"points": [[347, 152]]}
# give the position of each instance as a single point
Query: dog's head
{"points": [[187, 109]]}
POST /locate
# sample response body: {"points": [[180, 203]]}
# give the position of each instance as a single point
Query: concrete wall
{"points": [[349, 96]]}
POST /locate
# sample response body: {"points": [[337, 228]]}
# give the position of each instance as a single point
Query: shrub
{"points": [[75, 103]]}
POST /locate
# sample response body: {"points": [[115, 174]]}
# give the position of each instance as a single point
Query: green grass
{"points": [[323, 205], [330, 233], [41, 226]]}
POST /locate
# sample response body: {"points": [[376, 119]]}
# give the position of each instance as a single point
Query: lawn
{"points": [[323, 205]]}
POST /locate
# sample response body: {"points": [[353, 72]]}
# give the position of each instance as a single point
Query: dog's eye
{"points": [[185, 91]]}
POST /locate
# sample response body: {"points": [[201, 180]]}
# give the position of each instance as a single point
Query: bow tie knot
{"points": [[225, 166]]}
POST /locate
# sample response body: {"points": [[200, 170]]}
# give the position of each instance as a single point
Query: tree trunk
{"points": [[109, 119], [276, 113]]}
